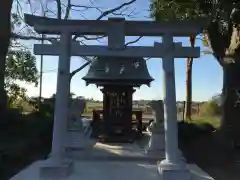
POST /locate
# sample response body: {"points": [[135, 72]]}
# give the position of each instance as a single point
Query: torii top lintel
{"points": [[100, 27]]}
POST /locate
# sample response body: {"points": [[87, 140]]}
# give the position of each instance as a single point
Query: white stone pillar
{"points": [[172, 167], [62, 96], [58, 166], [169, 99]]}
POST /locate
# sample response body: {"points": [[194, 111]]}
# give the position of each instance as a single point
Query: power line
{"points": [[50, 71]]}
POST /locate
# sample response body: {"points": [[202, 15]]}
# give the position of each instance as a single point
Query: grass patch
{"points": [[214, 121]]}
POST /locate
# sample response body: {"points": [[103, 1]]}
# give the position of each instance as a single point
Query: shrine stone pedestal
{"points": [[76, 108], [156, 143], [78, 135], [78, 141]]}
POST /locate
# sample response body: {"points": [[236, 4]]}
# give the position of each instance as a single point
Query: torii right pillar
{"points": [[173, 167]]}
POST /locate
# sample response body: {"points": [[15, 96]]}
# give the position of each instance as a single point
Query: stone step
{"points": [[114, 158], [113, 155]]}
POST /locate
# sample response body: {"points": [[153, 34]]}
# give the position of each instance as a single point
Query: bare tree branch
{"points": [[94, 38], [146, 59], [59, 9], [121, 13], [18, 36], [30, 4], [130, 15], [130, 42], [79, 69], [110, 11], [19, 8], [51, 11], [207, 51], [68, 8], [84, 6], [199, 38], [91, 60], [134, 41]]}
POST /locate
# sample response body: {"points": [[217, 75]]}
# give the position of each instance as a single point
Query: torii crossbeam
{"points": [[102, 27]]}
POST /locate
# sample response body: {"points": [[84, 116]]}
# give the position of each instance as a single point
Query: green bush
{"points": [[189, 132], [24, 138], [210, 108]]}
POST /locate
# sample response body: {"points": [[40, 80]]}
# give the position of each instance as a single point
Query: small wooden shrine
{"points": [[117, 76]]}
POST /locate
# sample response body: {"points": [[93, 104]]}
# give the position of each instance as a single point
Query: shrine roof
{"points": [[118, 70]]}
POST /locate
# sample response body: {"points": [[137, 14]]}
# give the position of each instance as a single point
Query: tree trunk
{"points": [[5, 33], [230, 122], [188, 109]]}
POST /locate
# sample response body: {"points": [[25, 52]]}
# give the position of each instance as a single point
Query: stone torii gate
{"points": [[116, 29]]}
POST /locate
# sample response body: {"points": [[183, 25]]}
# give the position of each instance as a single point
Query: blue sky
{"points": [[207, 73]]}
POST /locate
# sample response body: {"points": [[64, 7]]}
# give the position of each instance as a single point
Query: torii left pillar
{"points": [[57, 165]]}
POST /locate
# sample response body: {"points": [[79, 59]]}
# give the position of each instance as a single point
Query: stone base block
{"points": [[169, 171], [56, 169], [175, 175]]}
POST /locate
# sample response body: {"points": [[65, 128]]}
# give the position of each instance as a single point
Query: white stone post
{"points": [[62, 96], [172, 168], [57, 166], [169, 99]]}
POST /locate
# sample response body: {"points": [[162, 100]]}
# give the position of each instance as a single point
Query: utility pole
{"points": [[41, 58], [41, 72]]}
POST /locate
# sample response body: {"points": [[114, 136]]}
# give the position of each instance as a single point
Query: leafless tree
{"points": [[62, 9]]}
